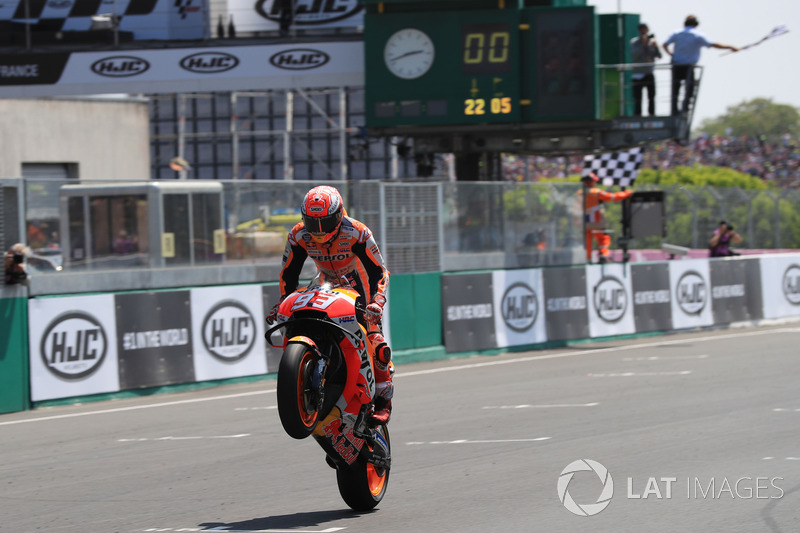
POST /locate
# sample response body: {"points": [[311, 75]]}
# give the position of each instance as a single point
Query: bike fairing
{"points": [[331, 377], [338, 304]]}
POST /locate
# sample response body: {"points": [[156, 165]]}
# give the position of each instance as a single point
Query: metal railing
{"points": [[616, 90], [448, 226]]}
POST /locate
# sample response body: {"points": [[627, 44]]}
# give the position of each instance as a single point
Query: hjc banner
{"points": [[265, 15]]}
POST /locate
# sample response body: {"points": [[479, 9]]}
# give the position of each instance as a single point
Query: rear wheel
{"points": [[297, 403], [362, 487]]}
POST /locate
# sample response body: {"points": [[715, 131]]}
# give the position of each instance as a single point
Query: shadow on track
{"points": [[287, 521]]}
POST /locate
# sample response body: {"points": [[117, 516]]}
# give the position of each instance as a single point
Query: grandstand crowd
{"points": [[776, 162]]}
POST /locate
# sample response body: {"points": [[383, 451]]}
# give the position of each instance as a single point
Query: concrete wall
{"points": [[107, 138]]}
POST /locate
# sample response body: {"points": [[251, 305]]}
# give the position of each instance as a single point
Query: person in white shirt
{"points": [[688, 43]]}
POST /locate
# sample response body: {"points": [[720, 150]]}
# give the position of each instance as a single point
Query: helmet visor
{"points": [[322, 225]]}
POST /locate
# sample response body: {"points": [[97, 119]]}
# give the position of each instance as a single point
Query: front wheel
{"points": [[363, 486], [297, 403]]}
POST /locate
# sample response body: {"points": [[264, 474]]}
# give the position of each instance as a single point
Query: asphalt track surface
{"points": [[479, 445]]}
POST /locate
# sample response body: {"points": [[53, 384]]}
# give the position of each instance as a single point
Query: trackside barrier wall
{"points": [[84, 345], [415, 311], [499, 309], [13, 349], [106, 343]]}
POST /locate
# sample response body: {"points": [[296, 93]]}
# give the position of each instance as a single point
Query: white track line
{"points": [[526, 359], [540, 406], [466, 441], [662, 358], [137, 407], [637, 374], [533, 358], [153, 439]]}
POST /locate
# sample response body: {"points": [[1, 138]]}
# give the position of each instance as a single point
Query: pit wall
{"points": [[65, 348], [13, 349]]}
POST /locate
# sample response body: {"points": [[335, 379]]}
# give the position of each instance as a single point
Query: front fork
{"points": [[318, 377]]}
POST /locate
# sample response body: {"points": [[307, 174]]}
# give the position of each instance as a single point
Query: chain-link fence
{"points": [[426, 226]]}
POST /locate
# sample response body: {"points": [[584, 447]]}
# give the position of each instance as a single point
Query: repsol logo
{"points": [[120, 66], [520, 307], [229, 331], [299, 59], [310, 12], [691, 293], [791, 284], [610, 299], [335, 257], [209, 62], [74, 345], [366, 366]]}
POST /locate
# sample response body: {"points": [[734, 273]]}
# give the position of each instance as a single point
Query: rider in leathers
{"points": [[343, 247]]}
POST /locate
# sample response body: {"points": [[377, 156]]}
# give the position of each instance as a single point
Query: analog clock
{"points": [[408, 53]]}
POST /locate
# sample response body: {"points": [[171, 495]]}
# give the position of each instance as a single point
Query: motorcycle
{"points": [[325, 388]]}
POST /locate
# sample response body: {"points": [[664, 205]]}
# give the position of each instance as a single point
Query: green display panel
{"points": [[615, 48], [443, 67], [560, 69]]}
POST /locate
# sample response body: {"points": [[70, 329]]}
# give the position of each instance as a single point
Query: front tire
{"points": [[297, 405], [363, 486]]}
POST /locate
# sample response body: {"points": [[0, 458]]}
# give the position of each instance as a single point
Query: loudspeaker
{"points": [[647, 214]]}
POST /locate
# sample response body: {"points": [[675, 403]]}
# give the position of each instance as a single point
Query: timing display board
{"points": [[483, 66], [446, 67]]}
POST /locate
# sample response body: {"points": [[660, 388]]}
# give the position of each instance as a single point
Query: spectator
{"points": [[719, 245], [14, 263], [777, 161], [644, 49], [687, 46], [123, 244]]}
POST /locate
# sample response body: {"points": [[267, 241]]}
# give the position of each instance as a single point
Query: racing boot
{"points": [[384, 370]]}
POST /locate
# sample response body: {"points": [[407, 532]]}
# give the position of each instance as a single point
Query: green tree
{"points": [[755, 117]]}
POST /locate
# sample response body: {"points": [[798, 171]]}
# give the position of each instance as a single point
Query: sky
{"points": [[768, 70]]}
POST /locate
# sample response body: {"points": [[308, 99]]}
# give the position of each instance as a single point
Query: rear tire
{"points": [[363, 485], [296, 404]]}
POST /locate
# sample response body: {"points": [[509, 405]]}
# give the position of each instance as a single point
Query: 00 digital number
{"points": [[475, 45], [497, 106]]}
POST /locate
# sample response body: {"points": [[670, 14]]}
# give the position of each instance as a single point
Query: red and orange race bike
{"points": [[325, 388]]}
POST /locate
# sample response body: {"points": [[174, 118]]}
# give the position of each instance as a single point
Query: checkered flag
{"points": [[614, 168]]}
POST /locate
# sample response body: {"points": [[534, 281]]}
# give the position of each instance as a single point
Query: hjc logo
{"points": [[791, 284], [691, 293], [74, 345], [209, 62], [610, 299], [299, 59], [520, 307], [229, 331], [120, 66], [310, 12]]}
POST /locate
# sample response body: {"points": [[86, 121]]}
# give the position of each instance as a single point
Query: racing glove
{"points": [[374, 310], [272, 317]]}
